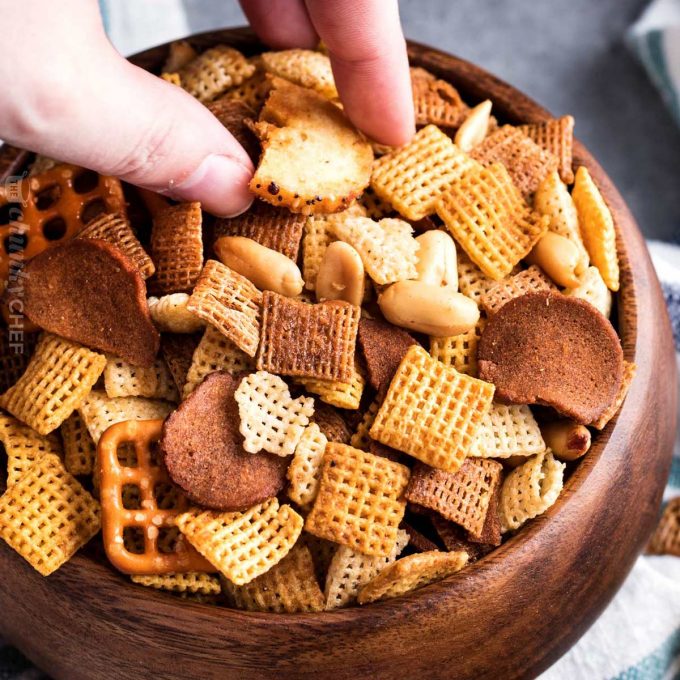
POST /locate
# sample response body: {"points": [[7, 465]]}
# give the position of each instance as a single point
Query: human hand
{"points": [[68, 94]]}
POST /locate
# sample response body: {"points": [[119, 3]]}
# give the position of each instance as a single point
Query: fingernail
{"points": [[220, 183]]}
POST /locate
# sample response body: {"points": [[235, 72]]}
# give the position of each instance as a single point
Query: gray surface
{"points": [[570, 57]]}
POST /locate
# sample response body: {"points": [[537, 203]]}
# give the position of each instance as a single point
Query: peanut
{"points": [[437, 263], [341, 275], [436, 310], [267, 269], [474, 127], [559, 258], [567, 439]]}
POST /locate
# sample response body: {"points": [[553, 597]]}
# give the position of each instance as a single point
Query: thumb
{"points": [[119, 120]]}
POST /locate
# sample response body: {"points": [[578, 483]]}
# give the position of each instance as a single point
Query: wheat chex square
{"points": [[359, 503], [309, 341], [431, 411]]}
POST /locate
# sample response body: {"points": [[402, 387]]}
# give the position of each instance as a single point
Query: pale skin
{"points": [[68, 94]]}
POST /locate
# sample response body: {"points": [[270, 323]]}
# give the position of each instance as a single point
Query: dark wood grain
{"points": [[510, 615]]}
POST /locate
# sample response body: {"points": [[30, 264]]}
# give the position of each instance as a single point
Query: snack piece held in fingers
{"points": [[359, 503], [229, 302], [214, 72], [410, 573], [275, 228], [597, 227], [303, 67], [87, 291], [310, 341], [204, 452], [177, 248], [57, 204], [313, 159], [243, 545], [23, 446], [556, 136], [383, 347], [47, 516], [158, 503], [266, 268], [486, 214], [412, 178], [527, 163], [462, 497], [349, 570], [289, 586], [431, 411], [116, 230], [529, 490], [271, 420], [543, 348], [57, 380]]}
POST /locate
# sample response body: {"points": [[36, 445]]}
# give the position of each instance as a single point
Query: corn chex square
{"points": [[58, 378], [431, 411], [412, 178], [309, 341], [459, 351], [508, 431], [412, 572], [170, 314], [79, 450], [531, 280], [23, 446], [527, 163], [359, 503], [99, 411], [529, 490], [288, 587], [488, 217], [122, 379], [597, 227], [305, 467], [230, 302], [387, 248], [350, 570], [271, 420], [46, 516], [462, 497], [243, 545], [214, 352]]}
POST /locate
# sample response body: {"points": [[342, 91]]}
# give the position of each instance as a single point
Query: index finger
{"points": [[368, 54]]}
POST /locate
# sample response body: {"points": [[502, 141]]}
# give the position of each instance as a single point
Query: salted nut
{"points": [[567, 439], [341, 275], [266, 268], [474, 127], [437, 263], [559, 258], [424, 308]]}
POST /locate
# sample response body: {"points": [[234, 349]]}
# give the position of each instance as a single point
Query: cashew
{"points": [[266, 268], [436, 310], [474, 127], [437, 263], [567, 439], [559, 258], [341, 275]]}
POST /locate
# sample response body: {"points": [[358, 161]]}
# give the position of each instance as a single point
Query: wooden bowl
{"points": [[510, 615]]}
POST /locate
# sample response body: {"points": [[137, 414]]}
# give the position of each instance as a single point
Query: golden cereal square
{"points": [[412, 178], [243, 545], [359, 503], [431, 411], [230, 302], [288, 587], [488, 217], [57, 380], [46, 516]]}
